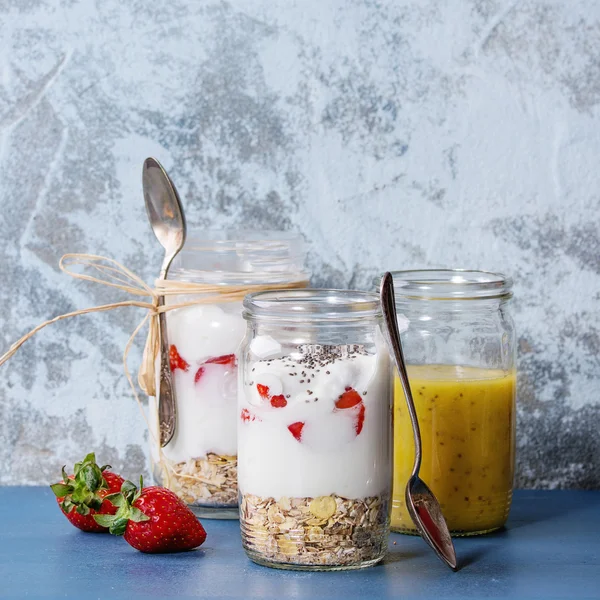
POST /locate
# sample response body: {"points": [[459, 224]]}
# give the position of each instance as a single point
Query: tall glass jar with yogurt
{"points": [[459, 345], [200, 462], [314, 430]]}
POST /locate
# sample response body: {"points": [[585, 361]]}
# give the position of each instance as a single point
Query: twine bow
{"points": [[113, 274]]}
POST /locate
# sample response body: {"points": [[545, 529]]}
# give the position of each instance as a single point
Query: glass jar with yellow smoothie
{"points": [[459, 346]]}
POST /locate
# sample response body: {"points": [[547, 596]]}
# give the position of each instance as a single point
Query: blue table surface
{"points": [[549, 549]]}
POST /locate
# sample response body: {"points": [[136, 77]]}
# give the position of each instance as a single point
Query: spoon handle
{"points": [[166, 396], [388, 307]]}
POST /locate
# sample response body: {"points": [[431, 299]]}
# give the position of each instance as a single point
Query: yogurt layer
{"points": [[204, 340], [315, 423]]}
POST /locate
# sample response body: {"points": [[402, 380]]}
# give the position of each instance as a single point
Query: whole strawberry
{"points": [[83, 494], [153, 519]]}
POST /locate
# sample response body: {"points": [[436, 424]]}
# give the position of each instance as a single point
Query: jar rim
{"points": [[312, 305], [449, 284], [240, 256], [226, 239]]}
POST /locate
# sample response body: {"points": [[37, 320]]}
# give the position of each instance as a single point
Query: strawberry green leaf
{"points": [[82, 509], [128, 487], [117, 499], [92, 476], [95, 502], [64, 475], [61, 489], [82, 495], [105, 520], [137, 515], [119, 525], [90, 458]]}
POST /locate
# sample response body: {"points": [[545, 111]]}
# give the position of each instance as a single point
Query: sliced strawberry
{"points": [[226, 359], [351, 399], [199, 374], [176, 361], [296, 429], [348, 399], [263, 391], [360, 419], [278, 401], [247, 416]]}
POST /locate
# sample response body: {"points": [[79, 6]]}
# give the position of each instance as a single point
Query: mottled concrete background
{"points": [[393, 134]]}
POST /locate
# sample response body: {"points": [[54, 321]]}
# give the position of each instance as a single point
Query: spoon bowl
{"points": [[164, 210], [422, 505], [167, 220]]}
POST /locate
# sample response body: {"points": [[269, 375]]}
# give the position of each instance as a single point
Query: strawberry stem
{"points": [[126, 512], [81, 490]]}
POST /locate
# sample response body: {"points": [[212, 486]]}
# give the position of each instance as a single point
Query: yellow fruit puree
{"points": [[467, 419]]}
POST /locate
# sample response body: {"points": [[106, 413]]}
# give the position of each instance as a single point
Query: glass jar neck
{"points": [[237, 258], [452, 289], [320, 307], [408, 306]]}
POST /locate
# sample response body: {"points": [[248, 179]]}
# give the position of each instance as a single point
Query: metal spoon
{"points": [[422, 505], [168, 223]]}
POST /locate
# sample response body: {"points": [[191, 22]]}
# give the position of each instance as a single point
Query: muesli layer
{"points": [[327, 530], [210, 481]]}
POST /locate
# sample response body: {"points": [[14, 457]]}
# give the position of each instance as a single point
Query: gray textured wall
{"points": [[393, 134]]}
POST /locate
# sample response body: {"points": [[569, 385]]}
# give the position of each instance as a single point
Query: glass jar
{"points": [[314, 430], [200, 462], [459, 346]]}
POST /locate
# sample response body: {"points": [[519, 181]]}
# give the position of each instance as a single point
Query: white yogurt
{"points": [[204, 336], [297, 440]]}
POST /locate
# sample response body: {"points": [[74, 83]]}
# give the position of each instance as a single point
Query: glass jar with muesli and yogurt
{"points": [[314, 430], [200, 463]]}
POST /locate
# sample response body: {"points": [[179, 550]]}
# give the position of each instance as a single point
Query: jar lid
{"points": [[450, 284], [312, 305], [238, 257]]}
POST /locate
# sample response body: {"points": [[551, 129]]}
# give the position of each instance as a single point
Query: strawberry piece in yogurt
{"points": [[246, 416], [263, 391], [296, 430], [351, 399], [226, 360], [278, 401], [176, 361]]}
